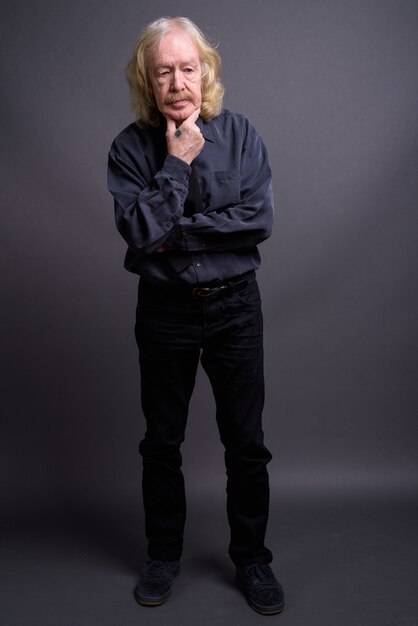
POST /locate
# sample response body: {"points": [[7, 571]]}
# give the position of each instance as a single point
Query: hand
{"points": [[190, 143]]}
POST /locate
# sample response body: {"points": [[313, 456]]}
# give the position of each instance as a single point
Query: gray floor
{"points": [[341, 562]]}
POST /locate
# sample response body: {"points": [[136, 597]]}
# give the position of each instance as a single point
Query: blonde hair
{"points": [[137, 71]]}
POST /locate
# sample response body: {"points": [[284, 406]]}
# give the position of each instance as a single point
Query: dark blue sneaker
{"points": [[261, 588], [154, 584]]}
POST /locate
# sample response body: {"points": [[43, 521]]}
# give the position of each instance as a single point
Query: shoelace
{"points": [[157, 569], [260, 573]]}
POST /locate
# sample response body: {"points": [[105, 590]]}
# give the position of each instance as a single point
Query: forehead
{"points": [[175, 46]]}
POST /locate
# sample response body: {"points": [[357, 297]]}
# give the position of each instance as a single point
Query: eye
{"points": [[189, 73], [162, 74]]}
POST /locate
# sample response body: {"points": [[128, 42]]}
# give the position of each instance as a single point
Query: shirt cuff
{"points": [[173, 240], [176, 168]]}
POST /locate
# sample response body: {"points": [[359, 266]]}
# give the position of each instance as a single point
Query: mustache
{"points": [[176, 97]]}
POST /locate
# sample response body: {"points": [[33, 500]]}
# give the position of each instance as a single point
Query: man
{"points": [[193, 198]]}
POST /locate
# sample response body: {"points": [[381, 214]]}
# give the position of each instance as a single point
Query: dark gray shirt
{"points": [[150, 188]]}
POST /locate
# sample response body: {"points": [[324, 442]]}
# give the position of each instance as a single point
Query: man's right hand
{"points": [[189, 143]]}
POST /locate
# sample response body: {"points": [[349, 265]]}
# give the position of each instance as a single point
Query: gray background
{"points": [[331, 85]]}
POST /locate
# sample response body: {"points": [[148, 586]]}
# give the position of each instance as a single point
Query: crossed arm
{"points": [[150, 217]]}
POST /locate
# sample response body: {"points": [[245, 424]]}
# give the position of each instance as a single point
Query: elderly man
{"points": [[193, 199]]}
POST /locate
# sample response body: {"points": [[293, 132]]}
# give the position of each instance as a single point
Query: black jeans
{"points": [[173, 332]]}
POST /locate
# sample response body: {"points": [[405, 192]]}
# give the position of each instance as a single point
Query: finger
{"points": [[171, 125], [192, 118]]}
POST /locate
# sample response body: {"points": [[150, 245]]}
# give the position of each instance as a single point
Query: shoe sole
{"points": [[261, 611], [144, 602], [152, 601]]}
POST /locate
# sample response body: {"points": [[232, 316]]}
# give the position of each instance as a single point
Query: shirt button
{"points": [[197, 264]]}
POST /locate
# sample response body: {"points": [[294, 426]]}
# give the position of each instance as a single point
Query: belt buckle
{"points": [[202, 292]]}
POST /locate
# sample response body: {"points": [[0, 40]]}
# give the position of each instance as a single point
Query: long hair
{"points": [[137, 71]]}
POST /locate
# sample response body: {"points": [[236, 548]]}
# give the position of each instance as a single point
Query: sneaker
{"points": [[154, 584], [261, 588]]}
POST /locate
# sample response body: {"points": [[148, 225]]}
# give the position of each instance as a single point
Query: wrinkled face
{"points": [[176, 76]]}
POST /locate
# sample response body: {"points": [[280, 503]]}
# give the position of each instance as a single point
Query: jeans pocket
{"points": [[250, 295]]}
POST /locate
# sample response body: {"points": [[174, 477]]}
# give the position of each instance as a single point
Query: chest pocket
{"points": [[224, 189]]}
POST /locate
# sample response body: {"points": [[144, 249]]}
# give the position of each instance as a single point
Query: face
{"points": [[176, 76]]}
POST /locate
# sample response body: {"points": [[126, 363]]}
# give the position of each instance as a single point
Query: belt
{"points": [[222, 288], [206, 292]]}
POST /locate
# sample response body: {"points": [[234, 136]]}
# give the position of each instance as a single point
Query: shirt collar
{"points": [[206, 130]]}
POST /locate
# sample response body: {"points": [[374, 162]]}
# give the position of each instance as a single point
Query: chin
{"points": [[181, 114], [178, 116]]}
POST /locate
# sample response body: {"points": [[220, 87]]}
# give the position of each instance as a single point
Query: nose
{"points": [[177, 82]]}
